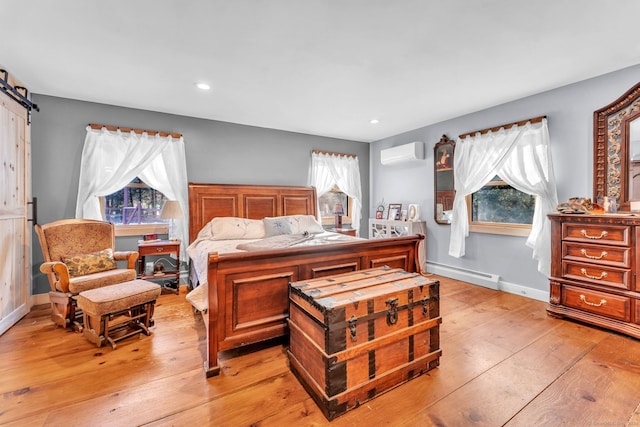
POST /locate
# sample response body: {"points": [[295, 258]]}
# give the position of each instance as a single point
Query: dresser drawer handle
{"points": [[593, 304], [602, 235], [602, 275], [602, 254], [159, 249]]}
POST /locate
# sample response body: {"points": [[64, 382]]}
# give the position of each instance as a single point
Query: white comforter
{"points": [[199, 250]]}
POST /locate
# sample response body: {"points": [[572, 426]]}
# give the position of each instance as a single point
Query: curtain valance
{"points": [[521, 156], [112, 159]]}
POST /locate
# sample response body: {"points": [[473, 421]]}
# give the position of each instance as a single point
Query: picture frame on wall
{"points": [[395, 210]]}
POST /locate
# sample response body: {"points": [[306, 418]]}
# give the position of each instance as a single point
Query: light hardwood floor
{"points": [[504, 362]]}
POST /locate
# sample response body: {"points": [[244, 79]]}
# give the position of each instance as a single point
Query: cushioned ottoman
{"points": [[115, 312]]}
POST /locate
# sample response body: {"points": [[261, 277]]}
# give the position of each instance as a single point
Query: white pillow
{"points": [[277, 225], [233, 228], [305, 223]]}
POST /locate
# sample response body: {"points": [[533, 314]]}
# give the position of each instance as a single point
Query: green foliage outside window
{"points": [[136, 203], [498, 202]]}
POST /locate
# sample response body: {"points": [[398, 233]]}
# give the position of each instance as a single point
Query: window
{"points": [[327, 203], [499, 208], [135, 209], [112, 158], [337, 173]]}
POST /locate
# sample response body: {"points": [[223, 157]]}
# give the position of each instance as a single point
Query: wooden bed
{"points": [[248, 298]]}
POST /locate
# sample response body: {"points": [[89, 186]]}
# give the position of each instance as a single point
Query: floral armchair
{"points": [[79, 255]]}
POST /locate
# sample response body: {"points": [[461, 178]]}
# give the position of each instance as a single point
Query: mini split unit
{"points": [[402, 153]]}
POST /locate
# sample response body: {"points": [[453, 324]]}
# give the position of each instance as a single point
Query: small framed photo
{"points": [[395, 210], [403, 215]]}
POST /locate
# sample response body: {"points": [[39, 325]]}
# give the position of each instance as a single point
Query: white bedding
{"points": [[224, 234], [199, 250]]}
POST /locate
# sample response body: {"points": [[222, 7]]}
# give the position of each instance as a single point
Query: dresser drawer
{"points": [[599, 274], [604, 234], [613, 306], [615, 256]]}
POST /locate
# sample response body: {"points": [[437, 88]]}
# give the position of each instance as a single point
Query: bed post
{"points": [[212, 367], [417, 259]]}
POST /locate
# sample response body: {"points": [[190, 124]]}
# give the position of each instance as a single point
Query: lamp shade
{"points": [[171, 210], [338, 209]]}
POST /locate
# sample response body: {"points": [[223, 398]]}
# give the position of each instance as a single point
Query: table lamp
{"points": [[171, 211], [338, 211]]}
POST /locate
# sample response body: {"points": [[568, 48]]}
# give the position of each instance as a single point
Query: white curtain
{"points": [[111, 159], [330, 170], [521, 156]]}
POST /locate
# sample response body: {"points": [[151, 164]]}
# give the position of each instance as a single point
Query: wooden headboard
{"points": [[208, 201]]}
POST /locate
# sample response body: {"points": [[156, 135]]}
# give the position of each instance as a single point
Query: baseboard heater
{"points": [[479, 278]]}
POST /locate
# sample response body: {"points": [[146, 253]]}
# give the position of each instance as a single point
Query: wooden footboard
{"points": [[248, 292]]}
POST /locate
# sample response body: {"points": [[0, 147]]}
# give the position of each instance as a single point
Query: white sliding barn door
{"points": [[15, 230]]}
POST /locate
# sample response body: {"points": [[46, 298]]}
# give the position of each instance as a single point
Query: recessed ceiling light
{"points": [[203, 86], [374, 121]]}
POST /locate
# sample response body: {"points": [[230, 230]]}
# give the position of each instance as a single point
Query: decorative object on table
{"points": [[379, 211], [443, 179], [395, 210], [580, 205], [171, 211], [403, 215], [610, 205], [413, 213], [158, 269], [338, 211]]}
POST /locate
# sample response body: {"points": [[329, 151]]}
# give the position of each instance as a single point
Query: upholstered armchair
{"points": [[79, 255]]}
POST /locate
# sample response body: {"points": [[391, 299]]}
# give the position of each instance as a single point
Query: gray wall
{"points": [[216, 152], [569, 110]]}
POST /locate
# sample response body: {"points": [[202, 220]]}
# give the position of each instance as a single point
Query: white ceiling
{"points": [[322, 67]]}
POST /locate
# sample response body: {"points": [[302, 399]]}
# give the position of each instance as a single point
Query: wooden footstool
{"points": [[115, 312]]}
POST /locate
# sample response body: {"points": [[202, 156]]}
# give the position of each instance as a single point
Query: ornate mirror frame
{"points": [[443, 179], [611, 147]]}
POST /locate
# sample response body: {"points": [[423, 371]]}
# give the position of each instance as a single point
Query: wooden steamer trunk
{"points": [[356, 335]]}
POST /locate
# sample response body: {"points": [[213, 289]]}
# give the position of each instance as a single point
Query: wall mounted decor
{"points": [[616, 150], [443, 179]]}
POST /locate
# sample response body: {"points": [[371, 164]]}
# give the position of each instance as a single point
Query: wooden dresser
{"points": [[593, 270]]}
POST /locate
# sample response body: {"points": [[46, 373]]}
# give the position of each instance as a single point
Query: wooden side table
{"points": [[160, 247], [347, 231]]}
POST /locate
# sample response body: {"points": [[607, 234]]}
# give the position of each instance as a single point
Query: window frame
{"points": [[134, 229], [500, 228], [346, 219]]}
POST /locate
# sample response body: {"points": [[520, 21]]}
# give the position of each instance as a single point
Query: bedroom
{"points": [[58, 133]]}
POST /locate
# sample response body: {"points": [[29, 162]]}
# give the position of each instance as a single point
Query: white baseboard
{"points": [[487, 280], [476, 277], [525, 291]]}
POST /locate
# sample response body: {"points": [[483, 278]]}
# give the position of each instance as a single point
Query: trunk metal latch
{"points": [[392, 312]]}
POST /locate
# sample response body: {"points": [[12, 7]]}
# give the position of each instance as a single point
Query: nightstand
{"points": [[155, 248], [347, 231], [390, 228]]}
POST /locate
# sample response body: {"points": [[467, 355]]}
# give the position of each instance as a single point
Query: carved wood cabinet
{"points": [[594, 270]]}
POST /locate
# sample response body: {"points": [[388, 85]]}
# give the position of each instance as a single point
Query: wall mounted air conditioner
{"points": [[402, 153]]}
